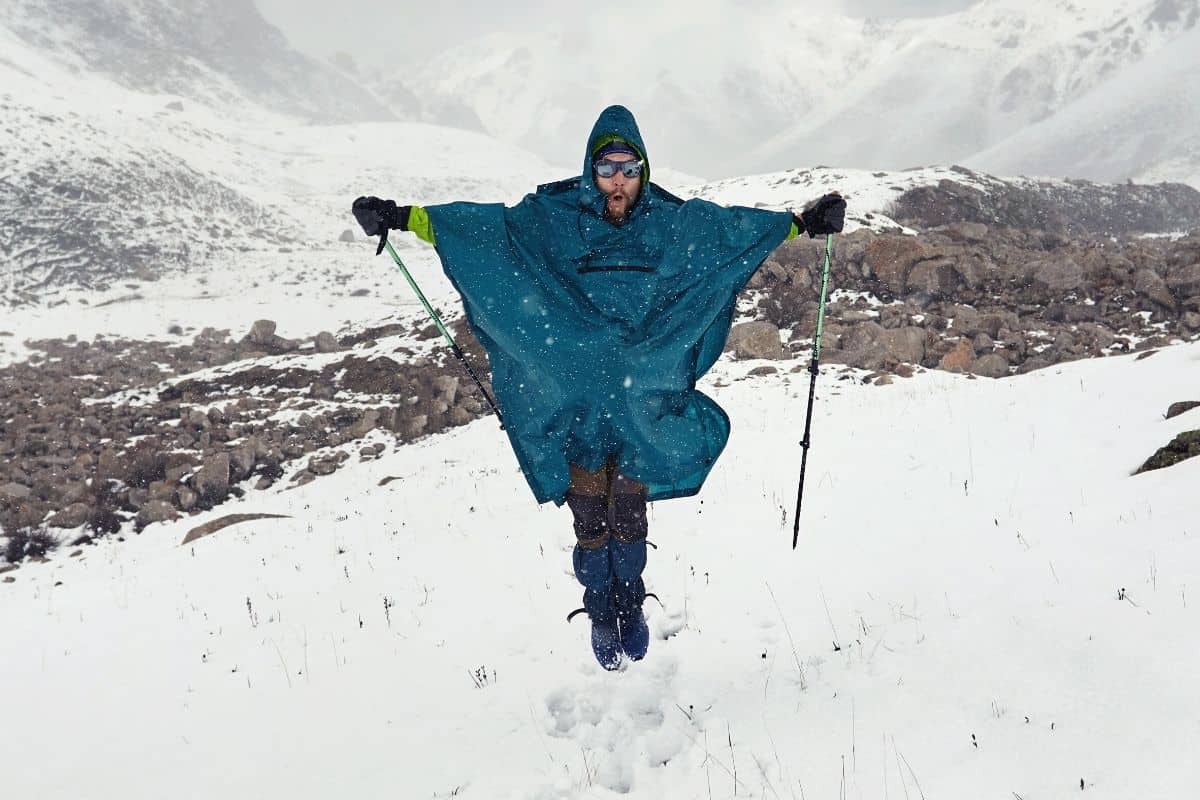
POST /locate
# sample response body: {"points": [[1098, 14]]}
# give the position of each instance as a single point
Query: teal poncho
{"points": [[596, 333]]}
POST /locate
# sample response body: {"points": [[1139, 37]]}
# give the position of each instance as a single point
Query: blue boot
{"points": [[593, 569], [629, 592]]}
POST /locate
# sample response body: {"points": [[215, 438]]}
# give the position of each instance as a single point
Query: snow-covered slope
{"points": [[1144, 124], [787, 87], [221, 52], [984, 603], [100, 183]]}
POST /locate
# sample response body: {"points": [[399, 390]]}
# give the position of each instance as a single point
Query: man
{"points": [[600, 300]]}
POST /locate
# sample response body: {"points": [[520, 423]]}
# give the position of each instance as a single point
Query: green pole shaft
{"points": [[813, 369], [437, 320]]}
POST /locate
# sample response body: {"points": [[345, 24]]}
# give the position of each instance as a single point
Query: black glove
{"points": [[827, 215], [379, 216]]}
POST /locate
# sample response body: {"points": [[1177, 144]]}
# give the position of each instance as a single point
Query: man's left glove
{"points": [[827, 215], [379, 216]]}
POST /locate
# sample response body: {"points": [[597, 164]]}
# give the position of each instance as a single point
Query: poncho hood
{"points": [[614, 123], [597, 333]]}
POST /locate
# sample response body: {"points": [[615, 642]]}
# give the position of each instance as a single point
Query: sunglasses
{"points": [[606, 169]]}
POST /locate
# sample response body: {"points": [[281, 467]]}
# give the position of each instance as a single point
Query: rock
{"points": [[1101, 337], [992, 365], [757, 339], [965, 320], [1175, 409], [175, 105], [890, 257], [765, 369], [241, 462], [959, 359], [1035, 363], [861, 336], [365, 424], [1191, 319], [324, 342], [883, 380], [14, 491], [938, 279], [905, 344], [413, 426], [445, 387], [965, 231], [1057, 274], [185, 498], [303, 477], [982, 343], [156, 511], [211, 481], [1185, 281], [322, 466], [1149, 283], [1184, 446], [262, 332], [72, 516], [347, 236]]}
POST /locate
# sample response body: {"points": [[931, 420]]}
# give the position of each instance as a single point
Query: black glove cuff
{"points": [[400, 222]]}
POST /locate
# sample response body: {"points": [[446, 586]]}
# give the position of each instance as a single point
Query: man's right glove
{"points": [[827, 215], [378, 216]]}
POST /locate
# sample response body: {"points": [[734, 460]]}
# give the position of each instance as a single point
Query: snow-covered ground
{"points": [[984, 604]]}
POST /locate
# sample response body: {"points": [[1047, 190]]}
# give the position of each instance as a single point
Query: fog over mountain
{"points": [[797, 85]]}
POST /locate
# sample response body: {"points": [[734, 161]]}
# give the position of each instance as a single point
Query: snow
{"points": [[410, 637], [984, 601]]}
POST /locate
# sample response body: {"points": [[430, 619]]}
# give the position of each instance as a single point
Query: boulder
{"points": [[211, 481], [241, 462], [906, 345], [72, 516], [1185, 281], [445, 387], [1150, 284], [992, 365], [1175, 409], [757, 339], [14, 492], [1057, 274], [319, 466], [155, 511], [861, 336], [959, 359], [938, 279], [262, 332], [324, 342], [890, 257]]}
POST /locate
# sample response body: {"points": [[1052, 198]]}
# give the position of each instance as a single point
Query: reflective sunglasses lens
{"points": [[605, 169], [631, 169]]}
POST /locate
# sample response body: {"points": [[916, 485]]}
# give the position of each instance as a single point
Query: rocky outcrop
{"points": [[136, 441], [988, 300]]}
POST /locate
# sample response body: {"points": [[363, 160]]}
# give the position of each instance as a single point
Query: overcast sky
{"points": [[373, 30]]}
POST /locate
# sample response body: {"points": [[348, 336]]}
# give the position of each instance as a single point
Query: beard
{"points": [[616, 209]]}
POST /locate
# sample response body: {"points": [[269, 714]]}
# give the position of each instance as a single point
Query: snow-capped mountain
{"points": [[103, 178], [218, 51], [1144, 122], [793, 88]]}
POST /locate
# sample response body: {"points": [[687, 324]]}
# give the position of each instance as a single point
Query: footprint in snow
{"points": [[624, 723]]}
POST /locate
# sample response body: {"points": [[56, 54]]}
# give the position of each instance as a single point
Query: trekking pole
{"points": [[812, 386], [458, 353]]}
